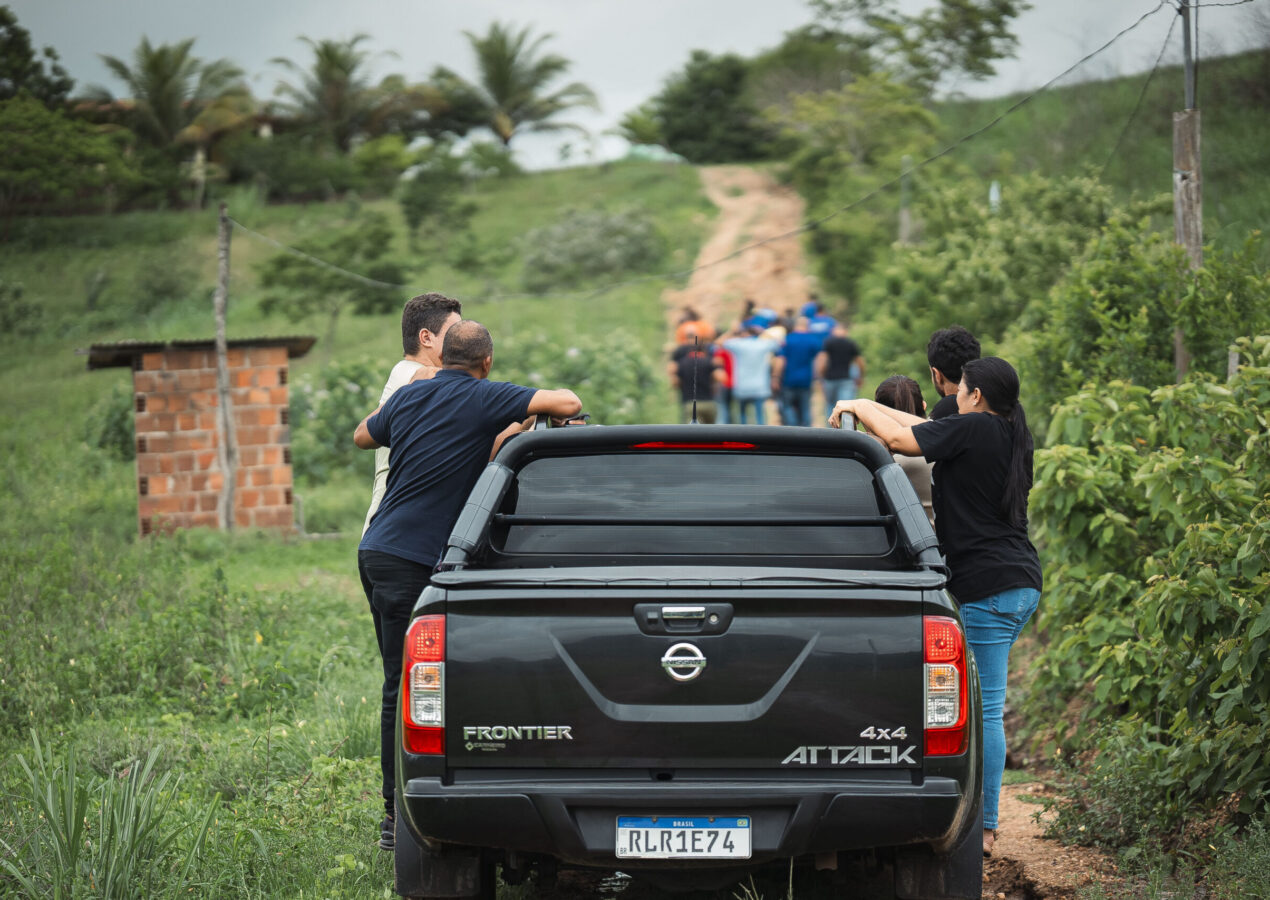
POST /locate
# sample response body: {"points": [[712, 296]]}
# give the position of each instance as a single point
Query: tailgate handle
{"points": [[673, 618], [683, 614]]}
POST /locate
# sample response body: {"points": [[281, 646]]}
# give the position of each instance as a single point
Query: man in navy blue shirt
{"points": [[441, 431]]}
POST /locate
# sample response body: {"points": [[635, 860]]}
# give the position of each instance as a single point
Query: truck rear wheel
{"points": [[420, 873], [921, 874]]}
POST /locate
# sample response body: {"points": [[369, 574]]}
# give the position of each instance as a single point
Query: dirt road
{"points": [[752, 207]]}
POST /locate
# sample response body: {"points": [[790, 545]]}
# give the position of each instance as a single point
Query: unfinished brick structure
{"points": [[175, 403]]}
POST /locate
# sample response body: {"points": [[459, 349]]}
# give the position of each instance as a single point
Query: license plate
{"points": [[683, 837]]}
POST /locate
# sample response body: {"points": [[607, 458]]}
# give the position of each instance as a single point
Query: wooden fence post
{"points": [[226, 446]]}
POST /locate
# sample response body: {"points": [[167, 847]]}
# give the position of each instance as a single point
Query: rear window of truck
{"points": [[687, 503]]}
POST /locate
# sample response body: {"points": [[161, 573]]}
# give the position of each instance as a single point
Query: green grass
{"points": [[1072, 130], [240, 669]]}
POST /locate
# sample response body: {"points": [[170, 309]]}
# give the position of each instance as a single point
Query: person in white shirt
{"points": [[424, 321]]}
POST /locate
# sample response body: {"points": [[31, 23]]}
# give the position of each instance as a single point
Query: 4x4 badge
{"points": [[683, 662]]}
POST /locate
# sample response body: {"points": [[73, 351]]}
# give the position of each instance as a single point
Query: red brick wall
{"points": [[175, 407]]}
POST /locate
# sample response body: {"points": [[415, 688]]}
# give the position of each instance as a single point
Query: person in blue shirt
{"points": [[798, 356], [442, 431]]}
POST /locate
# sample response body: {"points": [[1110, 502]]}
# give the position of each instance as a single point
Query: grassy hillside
{"points": [[1074, 130]]}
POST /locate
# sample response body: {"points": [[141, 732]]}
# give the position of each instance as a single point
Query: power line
{"points": [[1141, 95], [807, 226], [309, 257]]}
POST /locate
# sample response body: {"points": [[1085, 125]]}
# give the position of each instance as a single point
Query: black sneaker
{"points": [[388, 833]]}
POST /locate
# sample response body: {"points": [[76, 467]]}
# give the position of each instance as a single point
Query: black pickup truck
{"points": [[685, 653]]}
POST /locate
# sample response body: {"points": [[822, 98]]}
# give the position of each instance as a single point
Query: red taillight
{"points": [[946, 698], [423, 686], [680, 445]]}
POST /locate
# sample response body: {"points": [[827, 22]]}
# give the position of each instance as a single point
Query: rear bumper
{"points": [[576, 821]]}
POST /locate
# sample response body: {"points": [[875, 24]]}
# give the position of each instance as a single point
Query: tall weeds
{"points": [[104, 836]]}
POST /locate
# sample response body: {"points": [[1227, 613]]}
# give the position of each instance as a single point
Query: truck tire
{"points": [[922, 874], [420, 873]]}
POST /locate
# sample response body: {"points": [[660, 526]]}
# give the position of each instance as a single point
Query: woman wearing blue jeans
{"points": [[983, 473]]}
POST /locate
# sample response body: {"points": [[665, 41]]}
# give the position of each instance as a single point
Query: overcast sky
{"points": [[623, 49]]}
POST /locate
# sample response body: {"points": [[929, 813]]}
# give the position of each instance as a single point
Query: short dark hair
{"points": [[950, 349], [902, 393], [467, 344], [425, 311]]}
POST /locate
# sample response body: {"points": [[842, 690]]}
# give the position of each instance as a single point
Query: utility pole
{"points": [[226, 445], [906, 216], [1188, 211]]}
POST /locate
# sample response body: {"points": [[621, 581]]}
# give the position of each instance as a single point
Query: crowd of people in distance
{"points": [[970, 463], [729, 378]]}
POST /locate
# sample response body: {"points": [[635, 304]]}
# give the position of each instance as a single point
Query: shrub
{"points": [[163, 277], [18, 316], [380, 161], [326, 406], [1114, 315], [612, 376], [109, 425], [289, 167], [586, 245], [1150, 508]]}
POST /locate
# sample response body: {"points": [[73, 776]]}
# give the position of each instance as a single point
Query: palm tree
{"points": [[180, 99], [171, 88], [334, 95], [514, 81]]}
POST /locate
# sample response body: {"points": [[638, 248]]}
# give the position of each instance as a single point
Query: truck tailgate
{"points": [[739, 677]]}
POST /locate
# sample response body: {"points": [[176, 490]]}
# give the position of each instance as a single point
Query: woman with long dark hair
{"points": [[983, 472]]}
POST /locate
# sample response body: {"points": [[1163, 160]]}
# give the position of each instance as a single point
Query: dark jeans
{"points": [[796, 406], [392, 585]]}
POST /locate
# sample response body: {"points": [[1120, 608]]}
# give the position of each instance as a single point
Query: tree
{"points": [[809, 60], [432, 200], [640, 126], [48, 156], [513, 84], [846, 143], [172, 88], [22, 70], [299, 288], [333, 96], [705, 113], [955, 37]]}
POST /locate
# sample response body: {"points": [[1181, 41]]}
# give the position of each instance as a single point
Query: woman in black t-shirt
{"points": [[983, 472]]}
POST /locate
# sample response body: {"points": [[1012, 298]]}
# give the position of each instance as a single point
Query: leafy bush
{"points": [[163, 277], [299, 288], [326, 406], [487, 159], [614, 379], [289, 167], [984, 268], [18, 316], [380, 161], [433, 200], [1114, 315], [1150, 507], [109, 425], [584, 245]]}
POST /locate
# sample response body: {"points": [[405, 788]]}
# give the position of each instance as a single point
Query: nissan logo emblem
{"points": [[683, 662]]}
